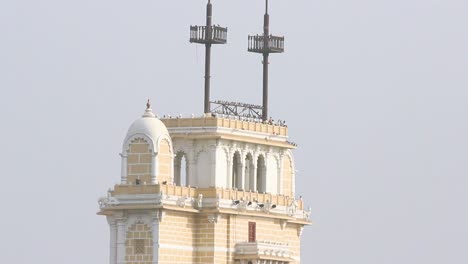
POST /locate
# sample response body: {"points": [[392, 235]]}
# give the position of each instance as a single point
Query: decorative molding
{"points": [[107, 201], [306, 214], [158, 215], [199, 201], [292, 208], [128, 141], [283, 224], [213, 218], [182, 200]]}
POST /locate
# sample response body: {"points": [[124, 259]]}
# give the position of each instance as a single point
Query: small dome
{"points": [[148, 125]]}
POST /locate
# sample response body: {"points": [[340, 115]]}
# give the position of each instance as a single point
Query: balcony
{"points": [[208, 35], [263, 250], [273, 44]]}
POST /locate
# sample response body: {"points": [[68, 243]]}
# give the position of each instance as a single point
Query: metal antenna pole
{"points": [[266, 53], [208, 35], [266, 44], [208, 57]]}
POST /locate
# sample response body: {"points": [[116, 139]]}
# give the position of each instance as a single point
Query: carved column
{"points": [[123, 170], [253, 186], [229, 171], [281, 175], [113, 239], [192, 168], [121, 236], [156, 219], [240, 168], [154, 167], [213, 153]]}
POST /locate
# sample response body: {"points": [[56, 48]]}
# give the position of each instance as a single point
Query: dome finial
{"points": [[148, 105], [148, 111]]}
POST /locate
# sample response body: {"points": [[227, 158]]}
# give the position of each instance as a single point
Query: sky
{"points": [[374, 92]]}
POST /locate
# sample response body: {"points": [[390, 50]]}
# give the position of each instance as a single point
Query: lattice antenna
{"points": [[208, 35], [265, 44]]}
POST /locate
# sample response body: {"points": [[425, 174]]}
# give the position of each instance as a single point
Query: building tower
{"points": [[213, 189]]}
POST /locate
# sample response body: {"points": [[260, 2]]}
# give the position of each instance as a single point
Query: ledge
{"points": [[225, 122]]}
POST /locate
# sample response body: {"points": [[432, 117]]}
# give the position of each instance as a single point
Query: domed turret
{"points": [[147, 151]]}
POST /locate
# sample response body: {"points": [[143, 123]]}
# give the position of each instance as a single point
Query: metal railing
{"points": [[201, 34], [274, 44]]}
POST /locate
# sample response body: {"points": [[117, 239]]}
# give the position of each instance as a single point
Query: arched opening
{"points": [[237, 171], [181, 169], [261, 174], [250, 180]]}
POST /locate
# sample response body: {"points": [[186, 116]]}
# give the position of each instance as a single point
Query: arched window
{"points": [[261, 174], [237, 171], [181, 176]]}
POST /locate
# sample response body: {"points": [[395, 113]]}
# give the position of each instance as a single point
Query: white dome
{"points": [[147, 125]]}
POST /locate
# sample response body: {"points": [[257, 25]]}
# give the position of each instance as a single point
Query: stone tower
{"points": [[217, 189], [232, 201]]}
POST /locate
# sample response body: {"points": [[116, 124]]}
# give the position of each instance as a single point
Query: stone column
{"points": [[213, 153], [154, 167], [192, 171], [112, 240], [156, 218], [123, 170], [281, 175], [121, 236], [242, 173], [229, 172], [254, 178]]}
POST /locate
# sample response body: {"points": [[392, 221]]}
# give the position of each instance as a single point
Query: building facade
{"points": [[205, 190]]}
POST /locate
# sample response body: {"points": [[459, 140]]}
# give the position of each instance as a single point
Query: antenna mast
{"points": [[265, 44], [208, 35]]}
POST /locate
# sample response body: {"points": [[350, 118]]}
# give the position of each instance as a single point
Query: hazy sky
{"points": [[374, 92]]}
